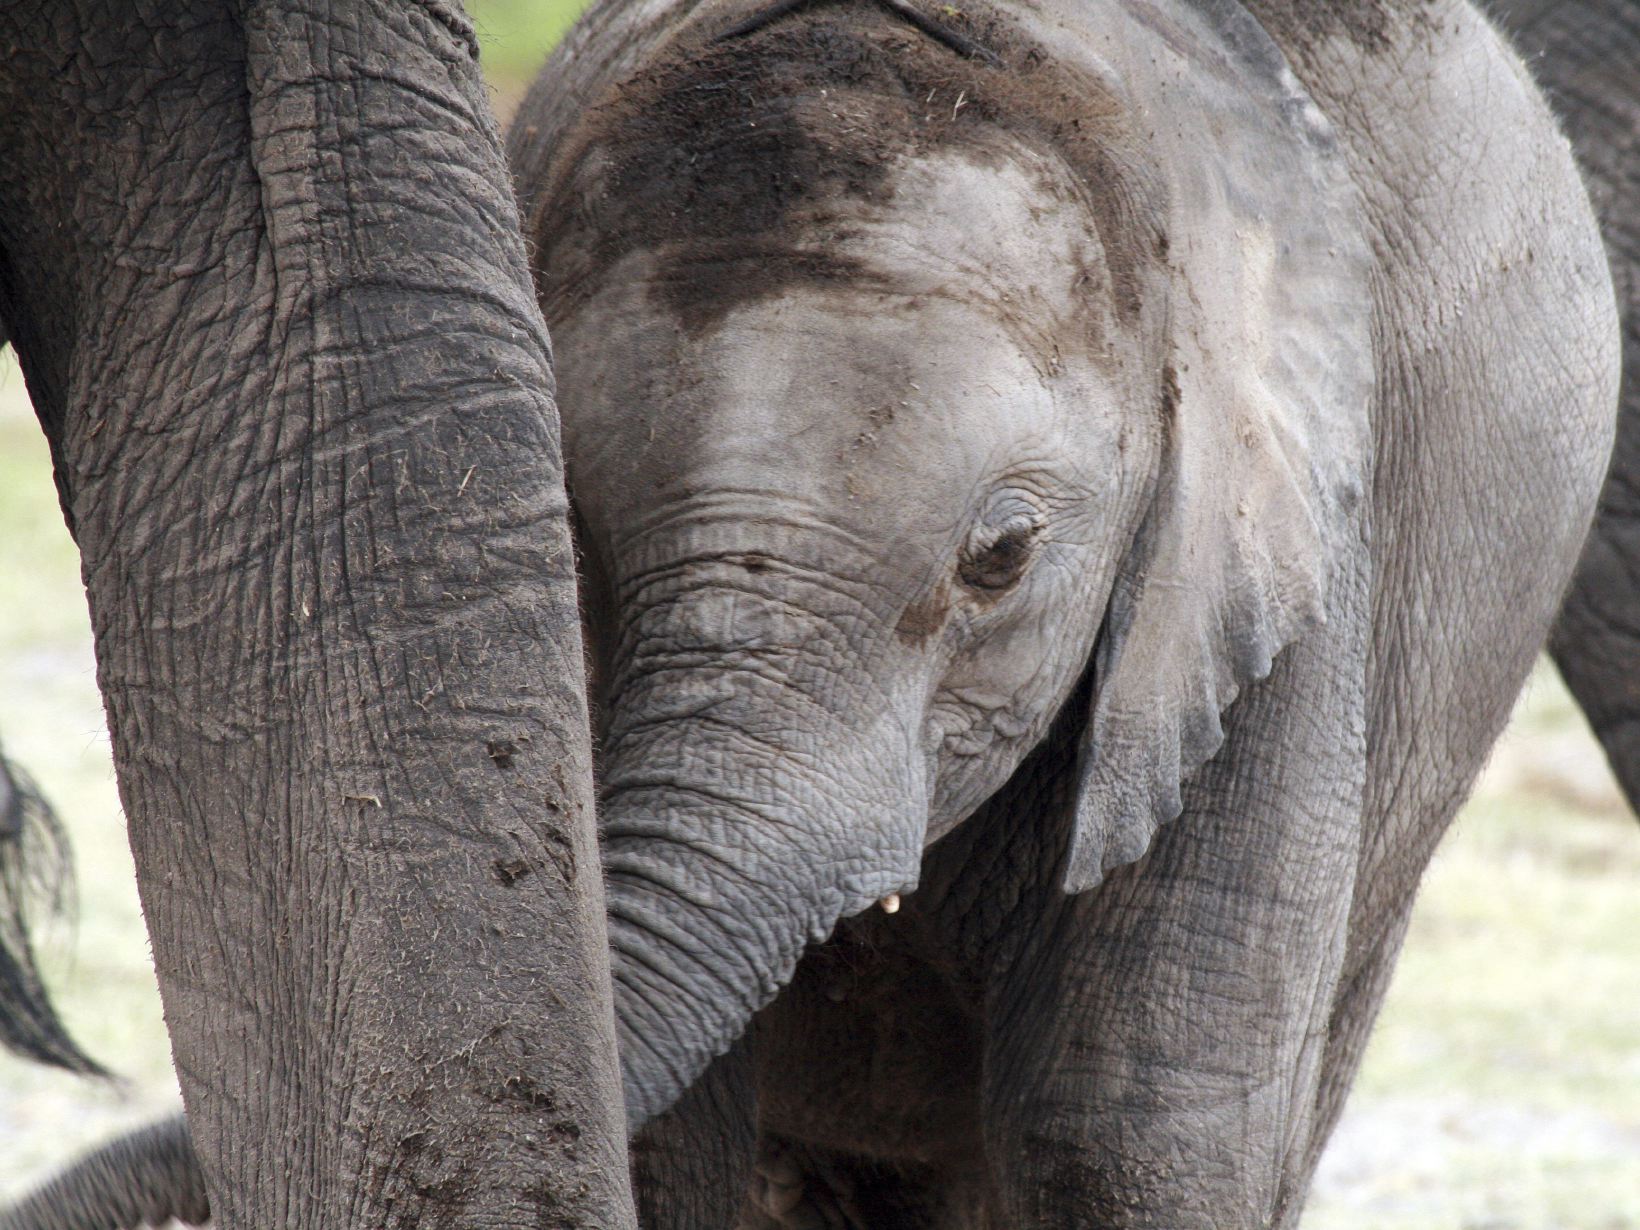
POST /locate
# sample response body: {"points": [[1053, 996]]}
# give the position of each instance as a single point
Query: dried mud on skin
{"points": [[743, 162]]}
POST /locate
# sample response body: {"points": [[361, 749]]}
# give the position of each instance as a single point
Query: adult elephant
{"points": [[261, 265], [1088, 477]]}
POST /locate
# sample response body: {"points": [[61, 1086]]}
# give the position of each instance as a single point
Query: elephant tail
{"points": [[145, 1178], [33, 869]]}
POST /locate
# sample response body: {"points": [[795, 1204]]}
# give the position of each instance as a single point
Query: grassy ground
{"points": [[514, 37], [1502, 1088]]}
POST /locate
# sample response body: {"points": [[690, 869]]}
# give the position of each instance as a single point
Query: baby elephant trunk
{"points": [[758, 785]]}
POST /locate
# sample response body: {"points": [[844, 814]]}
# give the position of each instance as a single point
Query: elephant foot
{"points": [[795, 1189]]}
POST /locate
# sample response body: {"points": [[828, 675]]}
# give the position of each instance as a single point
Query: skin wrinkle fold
{"points": [[647, 539], [657, 633], [832, 689], [623, 828], [756, 740], [683, 945], [634, 586]]}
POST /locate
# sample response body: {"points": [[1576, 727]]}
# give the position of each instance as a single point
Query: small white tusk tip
{"points": [[890, 903]]}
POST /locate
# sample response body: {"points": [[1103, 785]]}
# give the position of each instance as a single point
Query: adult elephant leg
{"points": [[261, 264], [691, 1166], [1154, 1045], [1585, 53]]}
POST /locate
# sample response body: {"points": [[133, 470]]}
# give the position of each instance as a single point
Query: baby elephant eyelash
{"points": [[995, 557]]}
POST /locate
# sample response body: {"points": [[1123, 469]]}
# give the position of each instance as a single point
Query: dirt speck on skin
{"points": [[510, 870], [924, 618], [876, 419], [1170, 395], [1363, 22], [526, 1089], [741, 162]]}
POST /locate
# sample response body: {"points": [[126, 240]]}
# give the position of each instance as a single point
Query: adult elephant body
{"points": [[1097, 473]]}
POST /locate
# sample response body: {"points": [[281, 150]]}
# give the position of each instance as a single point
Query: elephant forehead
{"points": [[1004, 226], [879, 415], [934, 392], [927, 336]]}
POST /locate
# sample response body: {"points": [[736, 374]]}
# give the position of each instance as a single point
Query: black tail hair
{"points": [[144, 1178], [34, 870]]}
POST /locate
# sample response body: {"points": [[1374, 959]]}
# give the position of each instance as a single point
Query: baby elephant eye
{"points": [[996, 555]]}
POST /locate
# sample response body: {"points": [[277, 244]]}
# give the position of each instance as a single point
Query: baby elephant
{"points": [[1089, 478], [1091, 474]]}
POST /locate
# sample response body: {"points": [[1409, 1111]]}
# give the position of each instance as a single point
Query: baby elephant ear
{"points": [[1267, 453]]}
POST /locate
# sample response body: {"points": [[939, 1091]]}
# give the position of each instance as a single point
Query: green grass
{"points": [[514, 36], [1502, 1087]]}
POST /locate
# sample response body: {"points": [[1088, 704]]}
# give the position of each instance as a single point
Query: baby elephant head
{"points": [[902, 387]]}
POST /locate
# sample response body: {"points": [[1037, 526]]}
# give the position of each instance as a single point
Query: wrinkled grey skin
{"points": [[1585, 55], [1285, 382], [262, 268], [1287, 503]]}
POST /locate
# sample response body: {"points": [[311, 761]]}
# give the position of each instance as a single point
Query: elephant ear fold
{"points": [[1266, 457]]}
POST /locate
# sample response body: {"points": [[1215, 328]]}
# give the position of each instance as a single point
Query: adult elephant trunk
{"points": [[261, 263], [758, 785]]}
